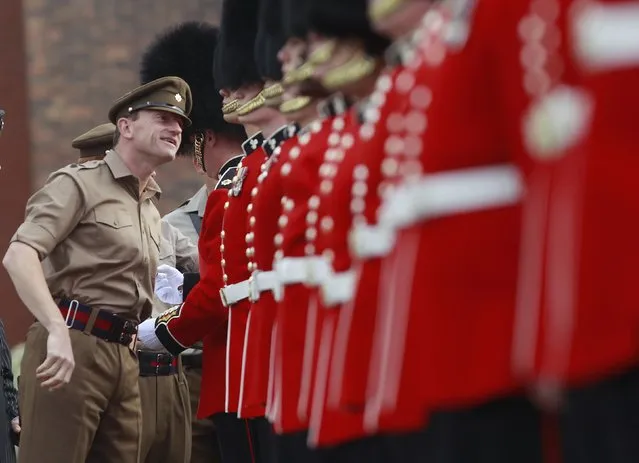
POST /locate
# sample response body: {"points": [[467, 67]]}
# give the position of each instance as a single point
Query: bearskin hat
{"points": [[234, 57], [270, 39], [187, 51], [295, 18], [345, 19]]}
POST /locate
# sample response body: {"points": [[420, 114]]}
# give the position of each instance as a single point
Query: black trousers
{"points": [[263, 439], [600, 422], [507, 430], [235, 438]]}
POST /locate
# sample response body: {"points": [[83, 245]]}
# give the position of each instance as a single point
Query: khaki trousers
{"points": [[96, 418], [166, 419], [205, 448]]}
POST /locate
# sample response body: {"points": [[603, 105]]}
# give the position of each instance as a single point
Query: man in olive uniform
{"points": [[166, 411], [98, 224], [93, 144]]}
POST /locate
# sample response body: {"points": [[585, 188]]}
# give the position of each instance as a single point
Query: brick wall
{"points": [[82, 55]]}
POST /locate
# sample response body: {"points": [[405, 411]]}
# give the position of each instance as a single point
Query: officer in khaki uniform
{"points": [[98, 224], [166, 410]]}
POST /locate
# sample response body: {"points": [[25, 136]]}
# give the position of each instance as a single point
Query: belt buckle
{"points": [[225, 302], [73, 307], [125, 337], [254, 287]]}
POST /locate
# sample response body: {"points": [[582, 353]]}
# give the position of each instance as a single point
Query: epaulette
{"points": [[88, 164], [226, 180]]}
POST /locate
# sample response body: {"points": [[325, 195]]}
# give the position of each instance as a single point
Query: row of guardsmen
{"points": [[424, 250]]}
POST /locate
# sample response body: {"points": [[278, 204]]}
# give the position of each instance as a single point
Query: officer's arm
{"points": [[202, 311], [52, 213], [186, 255]]}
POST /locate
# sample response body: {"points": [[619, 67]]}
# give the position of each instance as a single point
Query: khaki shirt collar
{"points": [[197, 203], [119, 170]]}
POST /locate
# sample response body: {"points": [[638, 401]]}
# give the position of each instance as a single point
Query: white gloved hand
{"points": [[147, 338], [168, 284]]}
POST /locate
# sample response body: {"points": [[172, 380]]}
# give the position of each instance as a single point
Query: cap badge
{"points": [[178, 97]]}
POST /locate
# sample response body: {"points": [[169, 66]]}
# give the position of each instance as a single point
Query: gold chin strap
{"points": [[230, 107], [323, 53], [198, 151], [295, 104], [273, 91], [297, 75], [352, 71], [381, 9], [253, 104]]}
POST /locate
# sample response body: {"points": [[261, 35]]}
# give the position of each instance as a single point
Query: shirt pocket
{"points": [[113, 218], [115, 236]]}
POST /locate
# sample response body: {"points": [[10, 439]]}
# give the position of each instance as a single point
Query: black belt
{"points": [[153, 364], [192, 360], [105, 325]]}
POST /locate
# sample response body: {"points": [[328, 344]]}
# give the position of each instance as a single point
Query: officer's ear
{"points": [[124, 127]]}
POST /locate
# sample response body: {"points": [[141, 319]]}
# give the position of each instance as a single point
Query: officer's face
{"points": [[157, 134]]}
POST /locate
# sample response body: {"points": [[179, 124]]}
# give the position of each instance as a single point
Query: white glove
{"points": [[147, 337], [168, 284]]}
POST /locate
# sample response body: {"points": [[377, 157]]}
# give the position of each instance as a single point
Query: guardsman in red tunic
{"points": [[288, 178], [345, 53], [577, 332], [369, 242], [449, 285], [263, 210]]}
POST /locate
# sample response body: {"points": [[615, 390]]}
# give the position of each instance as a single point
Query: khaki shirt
{"points": [[180, 218], [101, 236], [176, 250]]}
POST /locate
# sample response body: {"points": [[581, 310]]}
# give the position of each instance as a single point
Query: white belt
{"points": [[290, 270], [310, 270], [234, 293], [260, 282], [367, 241], [453, 192], [318, 270], [338, 288]]}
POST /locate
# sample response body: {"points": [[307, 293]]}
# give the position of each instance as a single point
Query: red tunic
{"points": [[262, 221], [450, 311], [202, 316], [235, 264], [298, 171], [580, 245], [356, 325], [339, 177]]}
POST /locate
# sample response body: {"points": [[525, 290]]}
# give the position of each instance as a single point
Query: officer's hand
{"points": [[147, 337], [15, 425], [57, 368]]}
